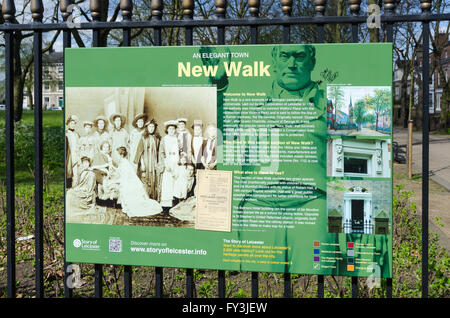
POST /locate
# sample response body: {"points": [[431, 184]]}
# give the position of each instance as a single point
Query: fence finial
{"points": [[96, 8], [221, 8], [425, 5], [355, 6], [320, 6], [188, 9], [8, 10], [37, 10], [254, 7], [126, 6], [157, 9], [390, 5], [286, 7], [63, 7]]}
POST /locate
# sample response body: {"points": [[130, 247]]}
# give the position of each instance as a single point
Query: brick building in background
{"points": [[52, 82], [436, 88]]}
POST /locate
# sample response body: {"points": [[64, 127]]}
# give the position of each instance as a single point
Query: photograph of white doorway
{"points": [[358, 206]]}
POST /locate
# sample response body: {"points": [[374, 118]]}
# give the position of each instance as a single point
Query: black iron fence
{"points": [[10, 26]]}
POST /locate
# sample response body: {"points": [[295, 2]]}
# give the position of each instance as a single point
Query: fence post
{"points": [[63, 6], [8, 11], [95, 6], [37, 10], [390, 6], [286, 8], [425, 5], [320, 6], [157, 7], [254, 14], [188, 13], [355, 7], [221, 12], [389, 9], [221, 283], [126, 7]]}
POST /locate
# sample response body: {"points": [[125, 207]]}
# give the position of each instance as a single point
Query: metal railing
{"points": [[157, 23]]}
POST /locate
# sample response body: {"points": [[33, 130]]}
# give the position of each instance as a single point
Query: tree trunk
{"points": [[335, 117], [404, 98], [340, 12], [445, 101], [411, 91], [419, 106], [30, 96], [18, 78]]}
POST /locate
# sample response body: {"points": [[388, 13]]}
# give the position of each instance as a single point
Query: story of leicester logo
{"points": [[88, 245], [77, 243]]}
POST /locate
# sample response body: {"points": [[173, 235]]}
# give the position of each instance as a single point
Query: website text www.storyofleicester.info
{"points": [[168, 250]]}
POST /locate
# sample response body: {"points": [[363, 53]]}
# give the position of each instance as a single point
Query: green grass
{"points": [[50, 118], [441, 132], [52, 122]]}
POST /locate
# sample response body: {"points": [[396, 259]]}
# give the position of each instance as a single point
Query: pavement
{"points": [[439, 172], [439, 159]]}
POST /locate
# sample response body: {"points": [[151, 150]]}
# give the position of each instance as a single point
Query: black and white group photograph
{"points": [[132, 153]]}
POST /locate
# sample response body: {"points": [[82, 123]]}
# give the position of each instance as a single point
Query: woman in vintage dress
{"points": [[103, 169], [132, 193], [101, 133], [198, 144], [184, 139], [147, 159], [87, 141], [119, 136], [72, 154], [209, 159], [82, 196], [136, 135], [169, 157]]}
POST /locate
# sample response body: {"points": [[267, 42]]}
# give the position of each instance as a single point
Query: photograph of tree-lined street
{"points": [[358, 110]]}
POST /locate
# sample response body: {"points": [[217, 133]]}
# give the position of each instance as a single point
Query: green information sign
{"points": [[270, 158]]}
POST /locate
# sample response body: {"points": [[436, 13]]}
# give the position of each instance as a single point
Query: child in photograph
{"points": [[184, 179], [191, 180]]}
